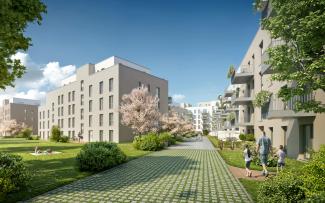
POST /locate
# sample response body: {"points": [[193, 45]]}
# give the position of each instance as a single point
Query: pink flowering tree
{"points": [[175, 124], [139, 110], [11, 127]]}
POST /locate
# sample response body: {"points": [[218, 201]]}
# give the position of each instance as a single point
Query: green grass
{"points": [[51, 171], [251, 187], [235, 158]]}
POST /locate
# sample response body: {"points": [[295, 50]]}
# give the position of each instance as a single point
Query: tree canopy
{"points": [[14, 18], [301, 59]]}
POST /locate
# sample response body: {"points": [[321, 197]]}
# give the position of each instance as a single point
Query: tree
{"points": [[231, 71], [301, 58], [14, 17], [140, 111], [175, 124], [55, 133], [11, 127]]}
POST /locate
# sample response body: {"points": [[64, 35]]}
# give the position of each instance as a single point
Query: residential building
{"points": [[297, 131], [87, 104], [24, 111]]}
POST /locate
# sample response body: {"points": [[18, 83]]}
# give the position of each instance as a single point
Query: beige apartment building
{"points": [[24, 111], [297, 131], [87, 104]]}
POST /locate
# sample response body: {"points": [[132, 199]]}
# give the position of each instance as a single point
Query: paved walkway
{"points": [[241, 173], [195, 143], [187, 175]]}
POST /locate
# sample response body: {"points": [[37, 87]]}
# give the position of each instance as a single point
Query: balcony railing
{"points": [[265, 68], [279, 109], [243, 75]]}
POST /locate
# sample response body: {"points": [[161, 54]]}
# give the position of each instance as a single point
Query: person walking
{"points": [[264, 147], [281, 156], [248, 159]]}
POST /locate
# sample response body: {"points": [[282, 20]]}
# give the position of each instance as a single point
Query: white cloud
{"points": [[178, 97], [37, 79]]}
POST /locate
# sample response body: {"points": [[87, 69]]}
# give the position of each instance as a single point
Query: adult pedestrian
{"points": [[264, 147]]}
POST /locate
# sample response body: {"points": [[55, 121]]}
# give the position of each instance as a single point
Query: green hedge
{"points": [[148, 142], [13, 174], [98, 156]]}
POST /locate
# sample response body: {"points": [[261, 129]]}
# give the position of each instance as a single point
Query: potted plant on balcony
{"points": [[262, 98], [231, 71]]}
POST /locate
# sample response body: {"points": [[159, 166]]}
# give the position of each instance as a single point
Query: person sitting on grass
{"points": [[281, 156], [248, 159], [37, 150]]}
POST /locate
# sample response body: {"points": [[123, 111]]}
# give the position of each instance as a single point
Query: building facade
{"points": [[297, 131], [87, 104], [24, 111]]}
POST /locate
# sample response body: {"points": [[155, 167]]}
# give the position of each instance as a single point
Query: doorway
{"points": [[305, 139]]}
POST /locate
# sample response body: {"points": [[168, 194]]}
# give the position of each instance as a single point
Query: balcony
{"points": [[228, 93], [280, 109], [243, 99], [243, 75], [248, 121], [266, 68]]}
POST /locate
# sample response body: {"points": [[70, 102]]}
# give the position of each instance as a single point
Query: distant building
{"points": [[87, 104], [24, 111]]}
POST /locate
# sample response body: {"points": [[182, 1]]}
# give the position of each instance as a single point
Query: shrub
{"points": [[250, 137], [98, 156], [64, 139], [167, 137], [206, 132], [13, 174], [179, 138], [214, 141], [33, 137], [26, 133], [55, 134], [242, 137], [148, 142], [285, 187]]}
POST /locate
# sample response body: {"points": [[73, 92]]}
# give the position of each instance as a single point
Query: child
{"points": [[248, 159], [281, 154]]}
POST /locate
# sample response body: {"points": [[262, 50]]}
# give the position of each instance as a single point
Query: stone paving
{"points": [[187, 175], [194, 143]]}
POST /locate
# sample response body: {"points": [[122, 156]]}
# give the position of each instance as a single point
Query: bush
{"points": [[242, 137], [26, 133], [33, 137], [179, 138], [64, 139], [250, 137], [214, 141], [206, 132], [148, 142], [55, 134], [285, 187], [98, 156], [167, 138], [13, 174]]}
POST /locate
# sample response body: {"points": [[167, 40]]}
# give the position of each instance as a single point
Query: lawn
{"points": [[51, 171], [251, 187]]}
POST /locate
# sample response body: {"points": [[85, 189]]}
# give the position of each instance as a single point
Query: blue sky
{"points": [[189, 43]]}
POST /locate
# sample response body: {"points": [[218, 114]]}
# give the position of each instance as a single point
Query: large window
{"points": [[101, 86], [69, 110], [101, 135], [62, 111], [73, 92], [73, 108], [59, 99], [158, 92], [81, 99], [69, 122], [101, 103], [62, 99], [111, 84], [81, 85], [90, 120], [110, 119], [59, 111], [111, 135], [81, 114], [90, 90], [69, 96], [73, 122], [81, 128], [101, 119], [110, 102], [90, 106]]}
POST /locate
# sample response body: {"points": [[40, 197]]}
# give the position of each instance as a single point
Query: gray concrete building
{"points": [[87, 103], [24, 111]]}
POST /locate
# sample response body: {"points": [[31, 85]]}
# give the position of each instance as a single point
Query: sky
{"points": [[191, 43]]}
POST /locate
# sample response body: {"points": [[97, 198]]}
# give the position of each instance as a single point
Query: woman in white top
{"points": [[248, 159]]}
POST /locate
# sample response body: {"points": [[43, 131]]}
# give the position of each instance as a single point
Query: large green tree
{"points": [[301, 60], [14, 18]]}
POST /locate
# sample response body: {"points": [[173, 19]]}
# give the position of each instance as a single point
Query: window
{"points": [[148, 87], [40, 115], [90, 120], [52, 118], [101, 84], [48, 124], [59, 100], [73, 109], [48, 113], [110, 102], [73, 95], [90, 90], [81, 114], [81, 85], [158, 92], [101, 103], [110, 133], [69, 109], [90, 105], [139, 84], [81, 99], [62, 99], [40, 125], [59, 111], [59, 122], [52, 106], [110, 119], [69, 122], [81, 128], [43, 114], [73, 122], [69, 96], [73, 134], [43, 124], [62, 123], [62, 111], [101, 134], [101, 118], [110, 84]]}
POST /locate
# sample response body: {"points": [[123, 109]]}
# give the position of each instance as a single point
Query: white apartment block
{"points": [[87, 104], [297, 131], [205, 116]]}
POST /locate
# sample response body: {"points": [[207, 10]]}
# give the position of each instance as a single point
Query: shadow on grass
{"points": [[140, 171]]}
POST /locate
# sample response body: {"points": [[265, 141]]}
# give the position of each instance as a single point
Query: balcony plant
{"points": [[262, 98], [231, 71], [231, 116]]}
